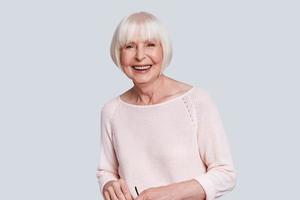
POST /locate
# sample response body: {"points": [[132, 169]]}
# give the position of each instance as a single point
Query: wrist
{"points": [[189, 190]]}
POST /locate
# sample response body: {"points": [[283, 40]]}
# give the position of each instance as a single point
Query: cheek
{"points": [[158, 56], [125, 59]]}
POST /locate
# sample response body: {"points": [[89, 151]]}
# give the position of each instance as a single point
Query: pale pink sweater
{"points": [[173, 141]]}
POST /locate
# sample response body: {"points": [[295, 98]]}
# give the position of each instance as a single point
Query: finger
{"points": [[118, 191], [125, 190], [112, 193], [139, 197], [143, 195], [106, 195]]}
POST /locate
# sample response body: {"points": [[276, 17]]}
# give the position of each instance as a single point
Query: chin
{"points": [[148, 77], [143, 80]]}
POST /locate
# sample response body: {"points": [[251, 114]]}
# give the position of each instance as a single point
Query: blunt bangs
{"points": [[144, 31]]}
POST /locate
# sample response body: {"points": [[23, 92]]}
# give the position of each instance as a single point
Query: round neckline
{"points": [[157, 104]]}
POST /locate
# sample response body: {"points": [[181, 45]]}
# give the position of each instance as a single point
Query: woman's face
{"points": [[141, 60]]}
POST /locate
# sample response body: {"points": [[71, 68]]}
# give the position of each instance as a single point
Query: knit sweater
{"points": [[154, 145]]}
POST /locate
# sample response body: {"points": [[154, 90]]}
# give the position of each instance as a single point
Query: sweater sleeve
{"points": [[214, 150], [107, 169]]}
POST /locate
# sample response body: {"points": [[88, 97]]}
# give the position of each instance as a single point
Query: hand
{"points": [[189, 189], [159, 193], [116, 190]]}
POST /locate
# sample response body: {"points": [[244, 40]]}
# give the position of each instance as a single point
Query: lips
{"points": [[141, 67]]}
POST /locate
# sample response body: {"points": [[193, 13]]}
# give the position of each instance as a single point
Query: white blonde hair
{"points": [[147, 27]]}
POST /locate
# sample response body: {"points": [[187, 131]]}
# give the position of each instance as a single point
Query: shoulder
{"points": [[203, 102], [109, 108], [195, 91], [200, 94], [202, 99]]}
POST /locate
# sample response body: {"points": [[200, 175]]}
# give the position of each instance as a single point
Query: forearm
{"points": [[189, 190]]}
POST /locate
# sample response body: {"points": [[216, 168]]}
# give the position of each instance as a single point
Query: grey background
{"points": [[56, 74]]}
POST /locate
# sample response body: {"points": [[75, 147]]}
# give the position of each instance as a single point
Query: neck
{"points": [[149, 93]]}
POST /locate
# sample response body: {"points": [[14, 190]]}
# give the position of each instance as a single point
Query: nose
{"points": [[140, 54]]}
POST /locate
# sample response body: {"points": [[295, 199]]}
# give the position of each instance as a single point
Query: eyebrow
{"points": [[153, 40]]}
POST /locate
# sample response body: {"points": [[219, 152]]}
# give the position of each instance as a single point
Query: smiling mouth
{"points": [[141, 67]]}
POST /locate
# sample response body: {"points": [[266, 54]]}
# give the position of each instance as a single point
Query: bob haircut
{"points": [[147, 27]]}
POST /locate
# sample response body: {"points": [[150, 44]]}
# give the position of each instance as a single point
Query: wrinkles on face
{"points": [[141, 60]]}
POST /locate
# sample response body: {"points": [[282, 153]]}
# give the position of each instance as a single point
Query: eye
{"points": [[151, 45], [129, 46]]}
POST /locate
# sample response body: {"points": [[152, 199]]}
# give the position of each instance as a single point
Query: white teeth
{"points": [[142, 67]]}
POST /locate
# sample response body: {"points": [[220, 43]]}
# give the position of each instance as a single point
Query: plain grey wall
{"points": [[56, 74]]}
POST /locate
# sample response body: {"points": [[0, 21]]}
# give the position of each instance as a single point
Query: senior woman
{"points": [[162, 137]]}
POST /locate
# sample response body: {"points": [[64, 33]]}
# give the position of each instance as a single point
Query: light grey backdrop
{"points": [[56, 74]]}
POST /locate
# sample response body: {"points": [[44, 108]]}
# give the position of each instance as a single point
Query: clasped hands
{"points": [[118, 190]]}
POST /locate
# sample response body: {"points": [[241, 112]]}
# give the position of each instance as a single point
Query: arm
{"points": [[214, 150], [107, 169]]}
